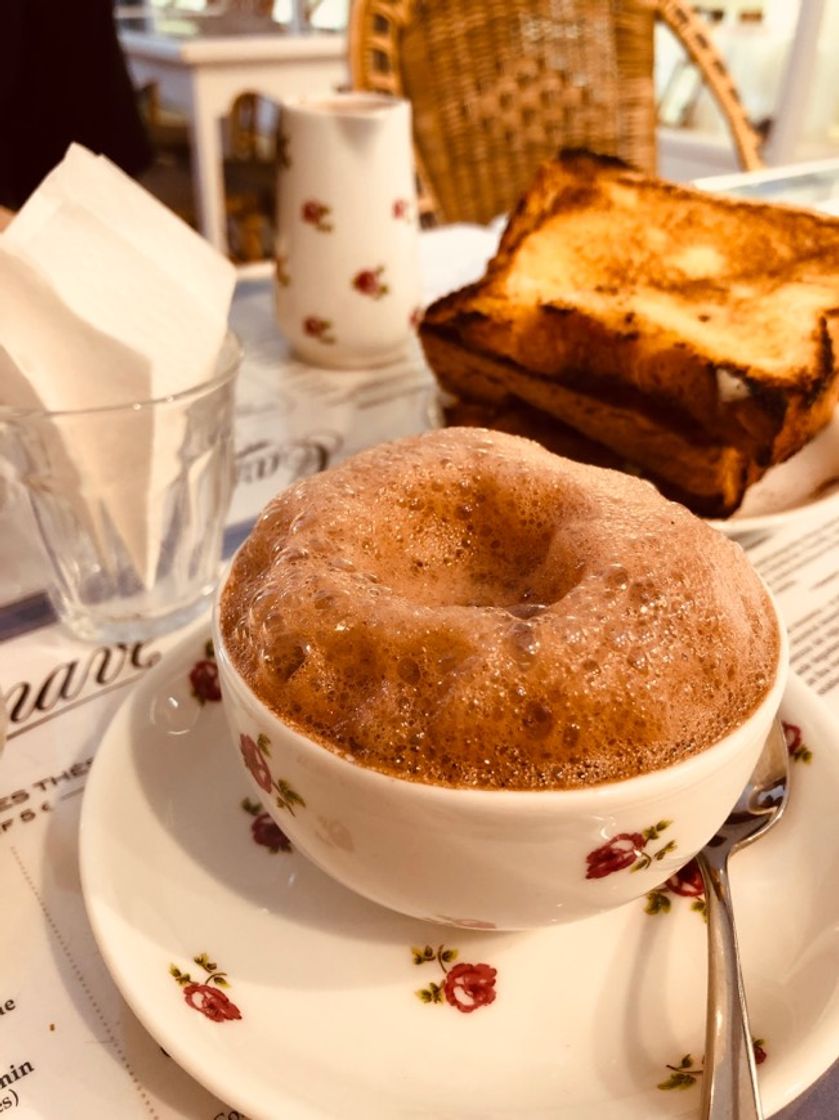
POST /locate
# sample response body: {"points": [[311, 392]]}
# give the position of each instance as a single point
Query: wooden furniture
{"points": [[202, 74], [498, 85]]}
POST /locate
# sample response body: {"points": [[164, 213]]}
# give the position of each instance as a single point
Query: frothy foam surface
{"points": [[465, 608]]}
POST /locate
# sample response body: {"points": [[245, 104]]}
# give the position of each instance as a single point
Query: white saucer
{"points": [[587, 1017]]}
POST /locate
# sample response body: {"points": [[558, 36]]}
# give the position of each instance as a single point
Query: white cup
{"points": [[347, 234], [489, 859]]}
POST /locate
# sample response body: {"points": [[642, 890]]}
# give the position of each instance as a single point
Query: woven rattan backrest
{"points": [[693, 33], [498, 85]]}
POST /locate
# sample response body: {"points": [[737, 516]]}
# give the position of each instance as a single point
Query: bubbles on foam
{"points": [[527, 610], [342, 564], [637, 659], [522, 638], [265, 613], [301, 522], [617, 577], [538, 720], [282, 553], [282, 658], [408, 670], [445, 652], [571, 735]]}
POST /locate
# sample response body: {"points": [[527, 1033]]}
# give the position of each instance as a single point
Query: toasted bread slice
{"points": [[692, 334]]}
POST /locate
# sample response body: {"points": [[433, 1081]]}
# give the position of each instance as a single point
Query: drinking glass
{"points": [[129, 502]]}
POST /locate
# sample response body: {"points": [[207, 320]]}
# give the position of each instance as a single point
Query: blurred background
{"points": [[207, 75]]}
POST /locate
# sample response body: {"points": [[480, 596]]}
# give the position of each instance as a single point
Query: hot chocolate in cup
{"points": [[483, 685]]}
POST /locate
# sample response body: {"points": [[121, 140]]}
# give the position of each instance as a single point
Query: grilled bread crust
{"points": [[693, 335]]}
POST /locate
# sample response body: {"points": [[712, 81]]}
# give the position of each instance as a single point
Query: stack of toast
{"points": [[690, 337]]}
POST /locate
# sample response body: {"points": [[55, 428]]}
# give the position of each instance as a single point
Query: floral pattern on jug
{"points": [[466, 987], [320, 329], [283, 275], [347, 227], [265, 830], [316, 214], [627, 850], [369, 282], [205, 996], [687, 1072], [203, 677]]}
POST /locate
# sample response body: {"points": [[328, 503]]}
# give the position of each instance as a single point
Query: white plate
{"points": [[587, 1018], [802, 486]]}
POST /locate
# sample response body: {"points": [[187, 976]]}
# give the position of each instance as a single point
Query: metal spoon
{"points": [[730, 1090]]}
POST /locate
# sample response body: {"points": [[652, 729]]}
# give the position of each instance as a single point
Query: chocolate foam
{"points": [[465, 608]]}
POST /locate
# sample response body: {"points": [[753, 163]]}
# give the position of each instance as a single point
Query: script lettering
{"points": [[66, 682], [305, 456]]}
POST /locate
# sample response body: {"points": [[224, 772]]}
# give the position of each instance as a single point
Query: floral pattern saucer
{"points": [[286, 995]]}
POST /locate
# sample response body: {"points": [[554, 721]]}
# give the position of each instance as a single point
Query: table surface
{"points": [[291, 420]]}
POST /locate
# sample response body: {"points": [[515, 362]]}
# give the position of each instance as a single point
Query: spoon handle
{"points": [[729, 1090]]}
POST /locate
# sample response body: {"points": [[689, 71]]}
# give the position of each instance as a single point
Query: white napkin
{"points": [[468, 248], [106, 297]]}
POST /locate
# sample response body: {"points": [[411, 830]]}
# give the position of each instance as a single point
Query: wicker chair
{"points": [[498, 85]]}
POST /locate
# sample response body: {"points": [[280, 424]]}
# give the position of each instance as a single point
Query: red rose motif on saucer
{"points": [[401, 209], [687, 881], [369, 282], [264, 830], [466, 987], [687, 1072], [203, 677], [269, 835], [211, 1002], [316, 214], [798, 750], [205, 996], [254, 754], [470, 986], [204, 680]]}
